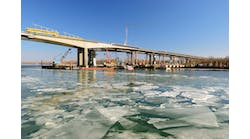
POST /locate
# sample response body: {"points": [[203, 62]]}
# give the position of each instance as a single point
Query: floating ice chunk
{"points": [[222, 115], [101, 84], [145, 87], [151, 93], [28, 79], [133, 135], [114, 113], [124, 135], [69, 116], [50, 124], [41, 120], [206, 119], [199, 133], [120, 85], [170, 93], [155, 100], [90, 125], [94, 115], [56, 111], [78, 129], [156, 120], [197, 95], [52, 90], [127, 124], [167, 124], [196, 116]]}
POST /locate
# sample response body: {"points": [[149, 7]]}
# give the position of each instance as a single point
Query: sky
{"points": [[194, 27]]}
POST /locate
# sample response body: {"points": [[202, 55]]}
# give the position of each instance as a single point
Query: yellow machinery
{"points": [[49, 32], [41, 31]]}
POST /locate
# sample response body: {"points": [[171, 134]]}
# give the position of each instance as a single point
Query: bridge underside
{"points": [[87, 57], [86, 50]]}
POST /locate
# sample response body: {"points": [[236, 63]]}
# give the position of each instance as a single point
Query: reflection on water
{"points": [[122, 104]]}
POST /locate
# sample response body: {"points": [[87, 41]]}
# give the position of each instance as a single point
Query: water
{"points": [[123, 104]]}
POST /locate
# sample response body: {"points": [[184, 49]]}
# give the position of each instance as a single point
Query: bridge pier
{"points": [[82, 57], [150, 59], [154, 59], [135, 58], [159, 60], [173, 60], [163, 60], [92, 57], [132, 59]]}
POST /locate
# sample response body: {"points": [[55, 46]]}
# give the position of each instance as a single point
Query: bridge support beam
{"points": [[82, 57]]}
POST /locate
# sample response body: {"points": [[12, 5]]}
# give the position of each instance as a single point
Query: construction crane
{"points": [[109, 62], [62, 58], [126, 39]]}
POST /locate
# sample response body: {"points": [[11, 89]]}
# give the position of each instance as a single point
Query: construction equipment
{"points": [[62, 58], [108, 56], [59, 64], [38, 29], [45, 31], [109, 62], [126, 39]]}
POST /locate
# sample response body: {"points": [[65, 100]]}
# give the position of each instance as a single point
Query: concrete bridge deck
{"points": [[84, 46]]}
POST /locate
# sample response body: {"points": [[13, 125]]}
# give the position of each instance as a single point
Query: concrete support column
{"points": [[173, 59], [146, 60], [135, 57], [164, 62], [131, 58], [186, 61], [82, 57], [150, 59], [154, 58], [183, 60], [80, 52], [92, 57], [128, 57], [177, 60], [86, 58], [94, 62], [170, 60]]}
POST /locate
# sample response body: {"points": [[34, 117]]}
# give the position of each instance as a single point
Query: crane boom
{"points": [[65, 54]]}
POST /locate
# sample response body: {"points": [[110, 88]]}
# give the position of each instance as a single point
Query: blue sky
{"points": [[195, 27]]}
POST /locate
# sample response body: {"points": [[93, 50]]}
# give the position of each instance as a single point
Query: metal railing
{"points": [[42, 30]]}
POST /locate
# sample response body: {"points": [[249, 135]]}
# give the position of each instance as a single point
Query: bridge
{"points": [[86, 49]]}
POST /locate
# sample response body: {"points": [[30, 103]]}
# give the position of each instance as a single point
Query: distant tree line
{"points": [[213, 62]]}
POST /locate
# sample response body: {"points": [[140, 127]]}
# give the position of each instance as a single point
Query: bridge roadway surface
{"points": [[98, 46]]}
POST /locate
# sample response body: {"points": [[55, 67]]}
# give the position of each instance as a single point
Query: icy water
{"points": [[59, 104]]}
